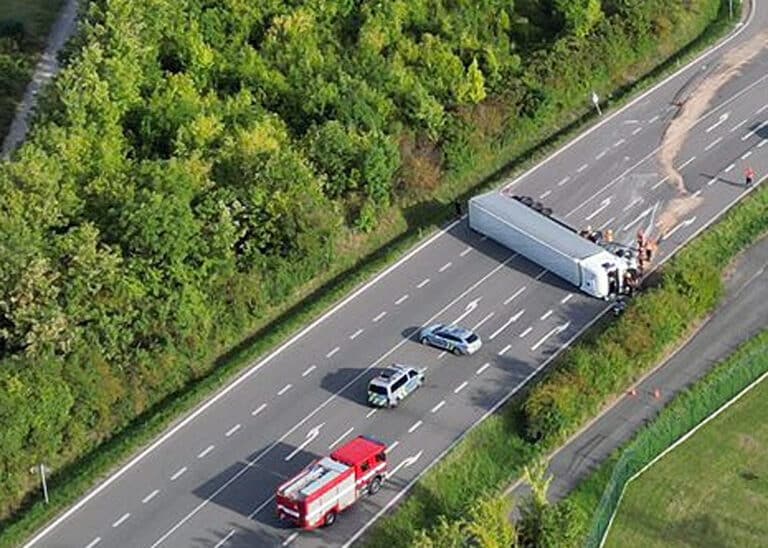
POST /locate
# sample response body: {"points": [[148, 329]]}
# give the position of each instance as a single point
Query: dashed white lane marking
{"points": [[461, 387], [379, 316], [413, 428], [445, 267], [762, 143], [729, 168], [713, 144], [601, 154], [370, 413], [567, 298], [761, 109], [481, 322], [178, 473], [582, 167], [754, 131], [685, 164], [93, 543], [599, 210], [482, 368], [524, 333], [606, 223], [637, 130], [309, 370], [503, 350], [259, 409], [232, 430], [152, 495], [392, 447], [540, 275], [546, 314], [483, 238], [737, 126], [290, 539], [285, 389], [205, 452], [423, 282], [436, 408], [632, 204], [712, 181], [332, 352], [356, 334], [652, 120], [661, 182], [402, 299], [515, 295], [746, 155], [696, 194], [619, 142], [545, 194], [722, 119], [340, 438], [467, 250], [552, 331], [122, 519], [223, 541], [513, 319], [442, 354], [564, 180]]}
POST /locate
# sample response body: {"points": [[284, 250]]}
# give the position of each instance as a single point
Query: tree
{"points": [[581, 16]]}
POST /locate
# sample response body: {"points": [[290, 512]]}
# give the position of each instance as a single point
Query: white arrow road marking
{"points": [[605, 203], [223, 541], [481, 322], [723, 118], [311, 435], [639, 218], [558, 329], [514, 295], [683, 224], [512, 320], [467, 311], [406, 463]]}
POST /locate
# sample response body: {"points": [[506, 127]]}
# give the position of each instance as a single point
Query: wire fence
{"points": [[686, 414]]}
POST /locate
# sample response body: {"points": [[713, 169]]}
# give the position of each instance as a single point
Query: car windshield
{"points": [[471, 338], [376, 389]]}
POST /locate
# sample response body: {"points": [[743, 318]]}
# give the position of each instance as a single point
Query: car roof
{"points": [[456, 330], [391, 372]]}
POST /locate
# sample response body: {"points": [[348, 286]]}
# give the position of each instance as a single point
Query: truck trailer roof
{"points": [[547, 231]]}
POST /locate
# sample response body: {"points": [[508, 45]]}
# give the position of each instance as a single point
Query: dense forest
{"points": [[200, 160]]}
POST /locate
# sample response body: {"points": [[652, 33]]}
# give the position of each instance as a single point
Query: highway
{"points": [[209, 481]]}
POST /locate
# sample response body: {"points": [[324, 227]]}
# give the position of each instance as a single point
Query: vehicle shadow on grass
{"points": [[251, 485]]}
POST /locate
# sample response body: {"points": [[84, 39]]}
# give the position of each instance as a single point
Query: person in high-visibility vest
{"points": [[749, 176]]}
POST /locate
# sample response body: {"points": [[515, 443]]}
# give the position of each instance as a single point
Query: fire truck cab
{"points": [[331, 484]]}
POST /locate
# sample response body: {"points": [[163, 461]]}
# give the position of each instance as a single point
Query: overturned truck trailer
{"points": [[549, 243]]}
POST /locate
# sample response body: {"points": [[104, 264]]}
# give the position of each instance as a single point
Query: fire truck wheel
{"points": [[375, 485], [330, 518]]}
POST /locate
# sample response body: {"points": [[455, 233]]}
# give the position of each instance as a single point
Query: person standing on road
{"points": [[749, 176]]}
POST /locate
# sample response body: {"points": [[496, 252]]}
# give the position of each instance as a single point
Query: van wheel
{"points": [[330, 518], [456, 351], [375, 485]]}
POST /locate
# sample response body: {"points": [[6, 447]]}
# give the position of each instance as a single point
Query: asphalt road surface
{"points": [[210, 480], [742, 315]]}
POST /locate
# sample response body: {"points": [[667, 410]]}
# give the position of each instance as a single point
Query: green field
{"points": [[19, 51], [710, 491]]}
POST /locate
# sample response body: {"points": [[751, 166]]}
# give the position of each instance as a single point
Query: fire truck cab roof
{"points": [[358, 450]]}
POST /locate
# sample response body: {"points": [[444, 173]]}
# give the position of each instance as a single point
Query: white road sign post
{"points": [[42, 469], [596, 102]]}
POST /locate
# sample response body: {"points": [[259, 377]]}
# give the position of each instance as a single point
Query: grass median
{"points": [[388, 244], [582, 381]]}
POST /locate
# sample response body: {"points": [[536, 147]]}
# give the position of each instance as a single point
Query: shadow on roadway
{"points": [[358, 392], [256, 483]]}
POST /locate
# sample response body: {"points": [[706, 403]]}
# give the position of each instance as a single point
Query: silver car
{"points": [[452, 338]]}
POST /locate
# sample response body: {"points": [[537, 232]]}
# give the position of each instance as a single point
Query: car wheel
{"points": [[330, 518], [423, 340], [456, 351], [375, 485]]}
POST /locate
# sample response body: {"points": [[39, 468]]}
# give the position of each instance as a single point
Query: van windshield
{"points": [[376, 389], [472, 338]]}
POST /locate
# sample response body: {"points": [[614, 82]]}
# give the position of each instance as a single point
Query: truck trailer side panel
{"points": [[508, 226]]}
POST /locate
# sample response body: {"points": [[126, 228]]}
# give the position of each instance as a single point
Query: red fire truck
{"points": [[331, 484]]}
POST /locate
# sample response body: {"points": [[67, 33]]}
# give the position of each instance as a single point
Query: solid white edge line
{"points": [[245, 375]]}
